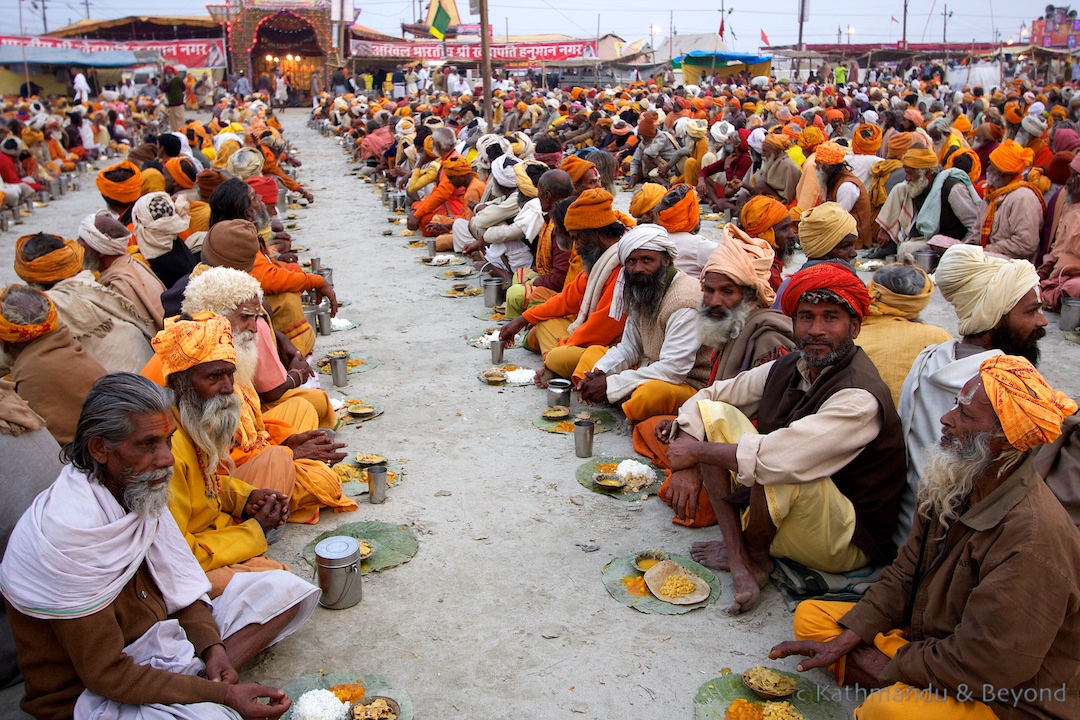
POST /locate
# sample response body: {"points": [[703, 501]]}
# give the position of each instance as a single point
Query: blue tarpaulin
{"points": [[13, 55], [698, 57]]}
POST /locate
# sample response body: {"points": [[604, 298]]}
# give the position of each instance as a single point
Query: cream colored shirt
{"points": [[808, 449]]}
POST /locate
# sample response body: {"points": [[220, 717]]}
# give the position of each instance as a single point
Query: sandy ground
{"points": [[500, 614]]}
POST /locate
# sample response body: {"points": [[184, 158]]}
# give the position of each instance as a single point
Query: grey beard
{"points": [[950, 474], [262, 217], [918, 185], [247, 356], [831, 358], [1022, 138], [717, 332], [211, 425], [642, 295], [146, 500]]}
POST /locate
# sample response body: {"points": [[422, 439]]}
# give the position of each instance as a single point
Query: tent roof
{"points": [[13, 55], [89, 27], [683, 44], [701, 57]]}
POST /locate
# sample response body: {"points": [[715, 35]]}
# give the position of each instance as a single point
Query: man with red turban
{"points": [[818, 481], [1012, 212]]}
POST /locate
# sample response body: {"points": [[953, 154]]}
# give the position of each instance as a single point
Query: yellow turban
{"points": [[1030, 411], [576, 167], [224, 153], [828, 153], [823, 227], [50, 268], [919, 159], [591, 210], [125, 191], [899, 144], [982, 289], [976, 167], [884, 301], [684, 215], [962, 124], [12, 333], [456, 166], [524, 183], [810, 138], [867, 139], [746, 260], [183, 344], [1010, 158], [759, 215], [645, 199], [778, 140], [152, 181]]}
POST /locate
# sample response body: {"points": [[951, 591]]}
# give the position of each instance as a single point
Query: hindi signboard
{"points": [[470, 52], [189, 53]]}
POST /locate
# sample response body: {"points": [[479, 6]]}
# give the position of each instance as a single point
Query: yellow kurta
{"points": [[893, 343]]}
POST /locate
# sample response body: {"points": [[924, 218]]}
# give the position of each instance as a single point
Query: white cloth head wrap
{"points": [[156, 236], [99, 241], [647, 236], [756, 139], [245, 163], [982, 289], [502, 170], [722, 131]]}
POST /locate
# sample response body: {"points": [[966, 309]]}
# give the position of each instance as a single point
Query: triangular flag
{"points": [[721, 28], [440, 23], [894, 19], [765, 39]]}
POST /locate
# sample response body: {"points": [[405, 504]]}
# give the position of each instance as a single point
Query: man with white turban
{"points": [[999, 311], [105, 241], [660, 362], [502, 252]]}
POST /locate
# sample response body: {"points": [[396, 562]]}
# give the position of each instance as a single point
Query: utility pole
{"points": [[671, 38], [903, 38], [26, 67], [945, 15], [485, 60], [87, 4]]}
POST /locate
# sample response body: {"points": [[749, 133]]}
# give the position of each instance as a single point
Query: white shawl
{"points": [[594, 286]]}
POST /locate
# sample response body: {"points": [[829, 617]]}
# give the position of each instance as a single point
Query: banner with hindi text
{"points": [[189, 53], [470, 52]]}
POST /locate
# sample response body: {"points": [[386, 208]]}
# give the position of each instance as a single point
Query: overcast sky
{"points": [[632, 19]]}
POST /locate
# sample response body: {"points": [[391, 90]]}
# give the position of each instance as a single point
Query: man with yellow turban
{"points": [[678, 212], [579, 317], [1012, 212], [643, 204], [818, 480], [936, 646], [468, 190], [766, 218], [999, 311], [51, 370]]}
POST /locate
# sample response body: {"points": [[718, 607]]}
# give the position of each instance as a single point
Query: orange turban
{"points": [[591, 210], [867, 139], [176, 169], [810, 138], [50, 268], [976, 166], [12, 333], [962, 124], [829, 153], [760, 214], [919, 159], [778, 140], [456, 166], [833, 114], [899, 144], [126, 191], [576, 167], [645, 199], [1010, 158], [429, 146], [1013, 114], [1030, 411], [683, 216], [647, 125], [746, 260], [183, 344], [827, 276]]}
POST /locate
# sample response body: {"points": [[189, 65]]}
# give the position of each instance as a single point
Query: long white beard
{"points": [[823, 184], [718, 332], [211, 425], [951, 471], [146, 500], [916, 186], [246, 343]]}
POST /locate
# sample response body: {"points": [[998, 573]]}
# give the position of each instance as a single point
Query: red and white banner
{"points": [[505, 52], [189, 53]]}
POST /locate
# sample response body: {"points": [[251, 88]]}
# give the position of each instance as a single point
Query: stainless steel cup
{"points": [[282, 202], [497, 348], [1070, 314], [316, 264], [492, 290], [376, 484], [323, 317], [310, 314], [926, 260], [339, 371], [583, 437], [890, 259], [558, 392], [43, 196], [431, 247], [5, 222]]}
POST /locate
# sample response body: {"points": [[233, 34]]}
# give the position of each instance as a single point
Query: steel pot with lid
{"points": [[337, 566]]}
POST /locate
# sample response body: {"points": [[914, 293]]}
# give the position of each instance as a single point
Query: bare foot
{"points": [[748, 583], [543, 377], [711, 554]]}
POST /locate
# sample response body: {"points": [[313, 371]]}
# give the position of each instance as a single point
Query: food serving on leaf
{"points": [[768, 684]]}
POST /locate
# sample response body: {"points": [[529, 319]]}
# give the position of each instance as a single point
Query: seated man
{"points": [[931, 632], [840, 185], [547, 276], [1011, 215], [736, 322], [51, 370], [468, 189], [107, 325], [497, 255], [120, 186], [828, 235], [999, 311], [821, 483], [104, 241], [768, 219], [892, 334], [422, 211], [579, 316], [779, 174], [643, 204], [679, 213], [659, 362], [103, 594]]}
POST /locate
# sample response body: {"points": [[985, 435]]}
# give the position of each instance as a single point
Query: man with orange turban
{"points": [[579, 316], [768, 219], [779, 174], [818, 481], [51, 370], [867, 139], [582, 173], [660, 152], [120, 186], [980, 497], [678, 212], [840, 185], [1012, 211], [643, 204]]}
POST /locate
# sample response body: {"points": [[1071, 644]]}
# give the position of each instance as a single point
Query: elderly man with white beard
{"points": [[979, 615], [660, 362], [107, 604]]}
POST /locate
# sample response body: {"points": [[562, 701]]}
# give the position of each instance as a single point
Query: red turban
{"points": [[267, 189], [828, 276]]}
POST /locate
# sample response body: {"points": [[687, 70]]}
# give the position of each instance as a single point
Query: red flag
{"points": [[721, 28], [894, 19], [765, 39]]}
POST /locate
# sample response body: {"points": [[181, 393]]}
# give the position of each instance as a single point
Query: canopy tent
{"points": [[13, 55], [697, 63]]}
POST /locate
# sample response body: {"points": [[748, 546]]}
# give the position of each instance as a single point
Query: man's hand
{"points": [[631, 182], [684, 488], [474, 247], [218, 667], [412, 222], [315, 445], [818, 654], [269, 508], [662, 430], [682, 453], [512, 328], [327, 291], [435, 228], [593, 388], [244, 699]]}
